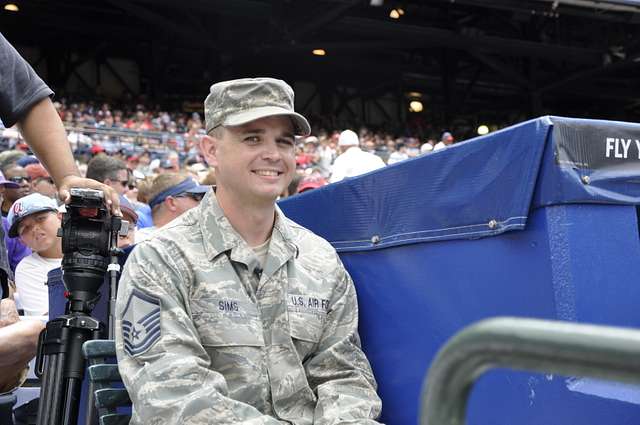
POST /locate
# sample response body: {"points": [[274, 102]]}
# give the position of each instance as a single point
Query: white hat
{"points": [[348, 138]]}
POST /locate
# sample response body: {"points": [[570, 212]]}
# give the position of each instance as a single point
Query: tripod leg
{"points": [[72, 401], [49, 407]]}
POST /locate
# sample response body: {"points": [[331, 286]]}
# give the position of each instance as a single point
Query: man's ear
{"points": [[209, 150], [170, 203]]}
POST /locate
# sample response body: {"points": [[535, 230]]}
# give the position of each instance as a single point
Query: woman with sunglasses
{"points": [[17, 175]]}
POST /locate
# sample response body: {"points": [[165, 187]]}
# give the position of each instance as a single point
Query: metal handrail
{"points": [[544, 346]]}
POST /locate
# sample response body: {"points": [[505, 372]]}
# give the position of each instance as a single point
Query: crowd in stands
{"points": [[151, 158]]}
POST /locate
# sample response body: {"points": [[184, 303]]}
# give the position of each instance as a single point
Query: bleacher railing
{"points": [[543, 346]]}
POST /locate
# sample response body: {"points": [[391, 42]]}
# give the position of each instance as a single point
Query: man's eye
{"points": [[252, 140]]}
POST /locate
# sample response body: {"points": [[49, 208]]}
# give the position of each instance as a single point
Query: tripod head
{"points": [[89, 238]]}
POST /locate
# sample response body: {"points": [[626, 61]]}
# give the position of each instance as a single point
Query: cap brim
{"points": [[199, 189], [13, 230], [9, 185], [301, 124]]}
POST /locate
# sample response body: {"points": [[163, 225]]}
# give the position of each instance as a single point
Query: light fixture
{"points": [[319, 52], [483, 129], [415, 106], [400, 11], [11, 7], [414, 95], [394, 14]]}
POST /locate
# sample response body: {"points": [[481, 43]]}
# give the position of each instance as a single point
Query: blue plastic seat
{"points": [[110, 396]]}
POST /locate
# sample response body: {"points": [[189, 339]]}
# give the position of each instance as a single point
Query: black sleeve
{"points": [[20, 86]]}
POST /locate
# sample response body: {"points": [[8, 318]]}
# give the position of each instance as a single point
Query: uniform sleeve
{"points": [[163, 364], [339, 372]]}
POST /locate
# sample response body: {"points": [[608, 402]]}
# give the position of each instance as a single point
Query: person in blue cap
{"points": [[35, 219], [171, 195]]}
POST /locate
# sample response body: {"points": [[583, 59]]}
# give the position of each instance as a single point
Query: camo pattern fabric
{"points": [[239, 101], [237, 344]]}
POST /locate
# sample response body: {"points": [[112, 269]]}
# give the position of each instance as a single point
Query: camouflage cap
{"points": [[238, 102]]}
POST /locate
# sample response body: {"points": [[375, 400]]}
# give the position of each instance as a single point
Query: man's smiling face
{"points": [[254, 161]]}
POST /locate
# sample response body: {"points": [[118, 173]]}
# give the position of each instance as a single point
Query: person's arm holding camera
{"points": [[24, 99]]}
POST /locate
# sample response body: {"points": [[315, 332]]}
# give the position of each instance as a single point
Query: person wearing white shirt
{"points": [[353, 161], [445, 141], [35, 219]]}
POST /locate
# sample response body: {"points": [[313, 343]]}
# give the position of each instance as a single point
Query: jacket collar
{"points": [[219, 237]]}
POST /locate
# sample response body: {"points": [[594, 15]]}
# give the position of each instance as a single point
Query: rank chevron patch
{"points": [[140, 323]]}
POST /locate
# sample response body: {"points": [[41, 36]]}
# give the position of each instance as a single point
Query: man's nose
{"points": [[271, 150]]}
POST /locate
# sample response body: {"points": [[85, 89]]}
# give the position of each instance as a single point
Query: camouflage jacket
{"points": [[205, 336]]}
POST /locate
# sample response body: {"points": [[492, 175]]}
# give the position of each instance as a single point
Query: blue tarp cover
{"points": [[482, 187]]}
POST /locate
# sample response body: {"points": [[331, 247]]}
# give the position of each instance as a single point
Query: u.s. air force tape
{"points": [[140, 323]]}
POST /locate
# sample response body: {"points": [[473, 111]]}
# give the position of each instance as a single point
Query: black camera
{"points": [[89, 234]]}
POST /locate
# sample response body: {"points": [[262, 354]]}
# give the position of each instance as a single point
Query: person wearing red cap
{"points": [[41, 181], [313, 181]]}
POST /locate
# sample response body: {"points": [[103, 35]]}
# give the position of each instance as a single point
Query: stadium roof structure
{"points": [[470, 61]]}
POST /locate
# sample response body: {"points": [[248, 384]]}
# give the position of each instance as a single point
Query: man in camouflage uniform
{"points": [[234, 314]]}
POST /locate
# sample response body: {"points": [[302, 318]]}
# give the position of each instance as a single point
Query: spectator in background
{"points": [[16, 250], [35, 220], [141, 208], [399, 154], [129, 214], [427, 147], [353, 161], [17, 175], [27, 160], [110, 171], [326, 156], [172, 162], [310, 182], [41, 181], [170, 195], [8, 158], [292, 188], [445, 141]]}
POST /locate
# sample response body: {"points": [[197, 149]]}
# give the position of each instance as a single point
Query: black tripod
{"points": [[60, 366], [60, 363]]}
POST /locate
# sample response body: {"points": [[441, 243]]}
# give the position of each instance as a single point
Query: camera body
{"points": [[89, 234]]}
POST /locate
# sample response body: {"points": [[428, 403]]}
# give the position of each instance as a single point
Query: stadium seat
{"points": [[110, 396]]}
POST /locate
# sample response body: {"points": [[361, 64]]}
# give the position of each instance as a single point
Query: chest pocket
{"points": [[306, 330], [226, 322]]}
